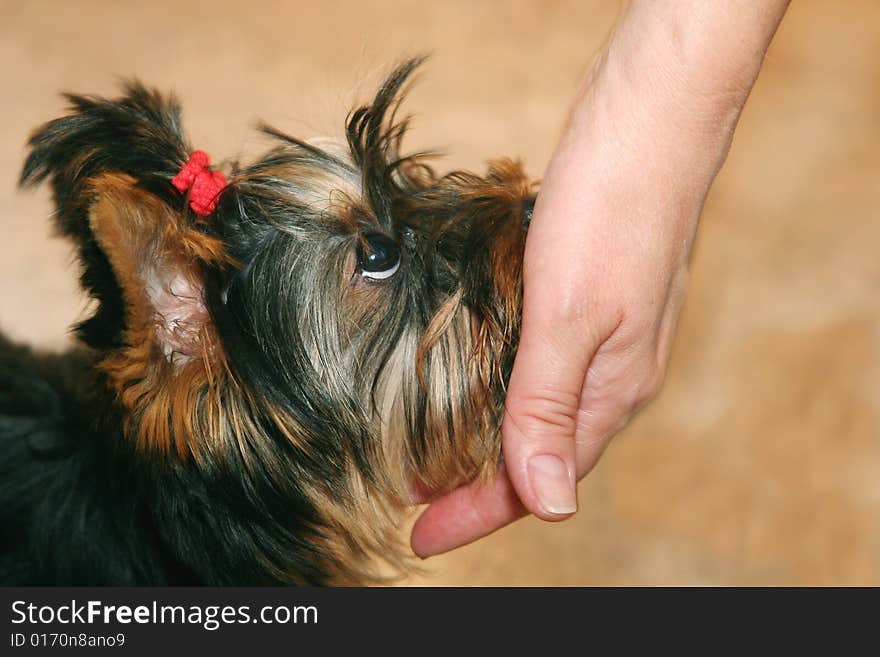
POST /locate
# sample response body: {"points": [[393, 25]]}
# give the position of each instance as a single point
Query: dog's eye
{"points": [[378, 256]]}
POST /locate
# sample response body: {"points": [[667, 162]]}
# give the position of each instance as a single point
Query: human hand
{"points": [[606, 260]]}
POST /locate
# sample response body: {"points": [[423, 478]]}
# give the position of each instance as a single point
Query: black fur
{"points": [[304, 368]]}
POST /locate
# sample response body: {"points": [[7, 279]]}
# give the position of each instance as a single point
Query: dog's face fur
{"points": [[336, 334]]}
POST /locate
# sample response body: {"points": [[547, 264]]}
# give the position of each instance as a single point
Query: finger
{"points": [[599, 420], [620, 380], [541, 416], [466, 514]]}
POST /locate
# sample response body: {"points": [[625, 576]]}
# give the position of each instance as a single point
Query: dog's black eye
{"points": [[378, 256]]}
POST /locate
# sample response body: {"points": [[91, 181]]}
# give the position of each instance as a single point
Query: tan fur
{"points": [[164, 396], [180, 398]]}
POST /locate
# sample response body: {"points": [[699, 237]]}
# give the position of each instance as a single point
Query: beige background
{"points": [[760, 461]]}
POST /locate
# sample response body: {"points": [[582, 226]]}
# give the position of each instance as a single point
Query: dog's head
{"points": [[336, 332]]}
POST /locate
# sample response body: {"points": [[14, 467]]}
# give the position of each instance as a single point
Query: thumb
{"points": [[541, 414]]}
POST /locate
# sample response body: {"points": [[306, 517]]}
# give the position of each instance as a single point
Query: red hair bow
{"points": [[204, 184]]}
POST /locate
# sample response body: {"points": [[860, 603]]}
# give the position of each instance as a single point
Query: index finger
{"points": [[465, 515]]}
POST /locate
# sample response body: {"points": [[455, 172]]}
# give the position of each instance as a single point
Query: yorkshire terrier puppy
{"points": [[277, 357]]}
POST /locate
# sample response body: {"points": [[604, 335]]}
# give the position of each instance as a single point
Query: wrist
{"points": [[707, 49], [673, 79]]}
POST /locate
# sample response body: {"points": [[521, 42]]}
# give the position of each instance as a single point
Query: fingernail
{"points": [[552, 485]]}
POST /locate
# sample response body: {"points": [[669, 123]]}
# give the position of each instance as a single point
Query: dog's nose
{"points": [[528, 206]]}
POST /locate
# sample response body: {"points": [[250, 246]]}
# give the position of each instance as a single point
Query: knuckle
{"points": [[544, 411], [596, 428], [649, 386], [563, 317]]}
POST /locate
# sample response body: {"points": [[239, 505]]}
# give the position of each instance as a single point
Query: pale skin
{"points": [[606, 263]]}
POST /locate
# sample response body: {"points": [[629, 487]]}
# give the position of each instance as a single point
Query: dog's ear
{"points": [[111, 164], [157, 254]]}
